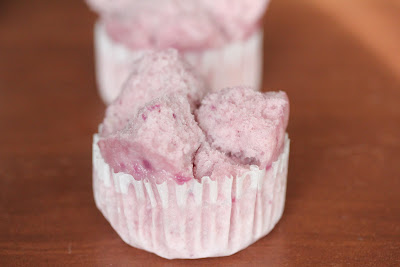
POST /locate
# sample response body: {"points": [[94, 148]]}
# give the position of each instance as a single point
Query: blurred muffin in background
{"points": [[222, 39]]}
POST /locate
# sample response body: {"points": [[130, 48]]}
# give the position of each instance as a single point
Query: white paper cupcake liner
{"points": [[237, 63], [196, 219]]}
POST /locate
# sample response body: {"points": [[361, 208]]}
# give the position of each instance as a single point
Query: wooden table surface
{"points": [[339, 62]]}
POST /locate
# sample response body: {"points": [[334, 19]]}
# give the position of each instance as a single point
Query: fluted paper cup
{"points": [[236, 63], [198, 219]]}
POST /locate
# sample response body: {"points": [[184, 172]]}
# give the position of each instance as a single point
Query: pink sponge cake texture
{"points": [[188, 179], [152, 75], [249, 126], [158, 144], [181, 24]]}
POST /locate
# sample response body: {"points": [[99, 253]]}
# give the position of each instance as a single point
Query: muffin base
{"points": [[237, 63], [210, 218]]}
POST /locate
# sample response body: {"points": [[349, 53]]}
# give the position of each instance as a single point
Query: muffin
{"points": [[184, 173], [221, 39]]}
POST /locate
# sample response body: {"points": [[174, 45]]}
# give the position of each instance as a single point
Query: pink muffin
{"points": [[221, 39], [184, 181]]}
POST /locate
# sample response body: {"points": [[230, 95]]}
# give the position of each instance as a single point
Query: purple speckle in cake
{"points": [[154, 107], [180, 179], [122, 166], [146, 164]]}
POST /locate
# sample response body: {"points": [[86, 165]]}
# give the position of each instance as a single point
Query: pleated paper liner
{"points": [[196, 219]]}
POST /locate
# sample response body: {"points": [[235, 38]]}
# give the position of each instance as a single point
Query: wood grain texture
{"points": [[343, 195]]}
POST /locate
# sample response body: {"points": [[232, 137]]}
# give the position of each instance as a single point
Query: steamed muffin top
{"points": [[183, 24], [159, 128]]}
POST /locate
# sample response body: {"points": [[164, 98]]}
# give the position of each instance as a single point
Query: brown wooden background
{"points": [[339, 62]]}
